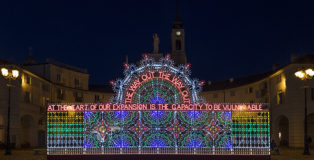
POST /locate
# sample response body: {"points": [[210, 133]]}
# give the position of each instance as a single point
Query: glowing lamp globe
{"points": [[4, 72], [15, 73], [299, 74], [309, 72]]}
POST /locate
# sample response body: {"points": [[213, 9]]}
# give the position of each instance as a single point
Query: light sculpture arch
{"points": [[157, 82], [157, 110]]}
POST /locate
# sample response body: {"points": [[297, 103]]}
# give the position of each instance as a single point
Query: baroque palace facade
{"points": [[38, 85], [284, 93], [54, 82]]}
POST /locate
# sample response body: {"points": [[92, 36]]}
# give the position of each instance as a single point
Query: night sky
{"points": [[226, 37]]}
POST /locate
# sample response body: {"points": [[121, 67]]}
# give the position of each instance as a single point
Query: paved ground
{"points": [[285, 154], [22, 155], [292, 154]]}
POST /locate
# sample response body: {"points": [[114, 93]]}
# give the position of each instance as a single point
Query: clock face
{"points": [[178, 33]]}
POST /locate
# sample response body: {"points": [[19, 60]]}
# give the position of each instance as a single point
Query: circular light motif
{"points": [[121, 140], [156, 82], [157, 91], [157, 140], [120, 114], [157, 100], [157, 114], [194, 141]]}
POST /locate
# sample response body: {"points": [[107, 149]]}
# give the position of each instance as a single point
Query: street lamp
{"points": [[10, 75], [305, 75]]}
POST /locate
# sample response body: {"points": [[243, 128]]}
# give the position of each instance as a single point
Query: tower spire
{"points": [[177, 39], [177, 23]]}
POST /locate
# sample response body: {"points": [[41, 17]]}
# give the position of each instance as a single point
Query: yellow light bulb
{"points": [[15, 73], [299, 74], [4, 72], [309, 72]]}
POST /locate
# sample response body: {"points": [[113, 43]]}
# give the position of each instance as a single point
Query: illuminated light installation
{"points": [[157, 110], [157, 82]]}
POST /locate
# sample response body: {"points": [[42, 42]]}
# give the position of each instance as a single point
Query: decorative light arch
{"points": [[157, 82], [133, 124]]}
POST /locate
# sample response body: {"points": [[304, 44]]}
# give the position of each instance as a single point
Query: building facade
{"points": [[38, 85], [284, 93]]}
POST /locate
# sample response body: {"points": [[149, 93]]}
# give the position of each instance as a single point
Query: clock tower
{"points": [[177, 41]]}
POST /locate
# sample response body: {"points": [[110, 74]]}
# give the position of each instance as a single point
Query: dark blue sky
{"points": [[226, 37]]}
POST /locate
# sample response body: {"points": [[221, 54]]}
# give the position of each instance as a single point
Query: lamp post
{"points": [[305, 75], [10, 75]]}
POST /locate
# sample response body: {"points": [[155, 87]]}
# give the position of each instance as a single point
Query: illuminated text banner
{"points": [[163, 107]]}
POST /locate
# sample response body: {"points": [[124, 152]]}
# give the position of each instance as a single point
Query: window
{"points": [[215, 95], [258, 94], [263, 92], [60, 94], [28, 79], [280, 98], [76, 82], [232, 93], [265, 85], [96, 98], [250, 90], [178, 44], [45, 87], [78, 96], [27, 97], [58, 77]]}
